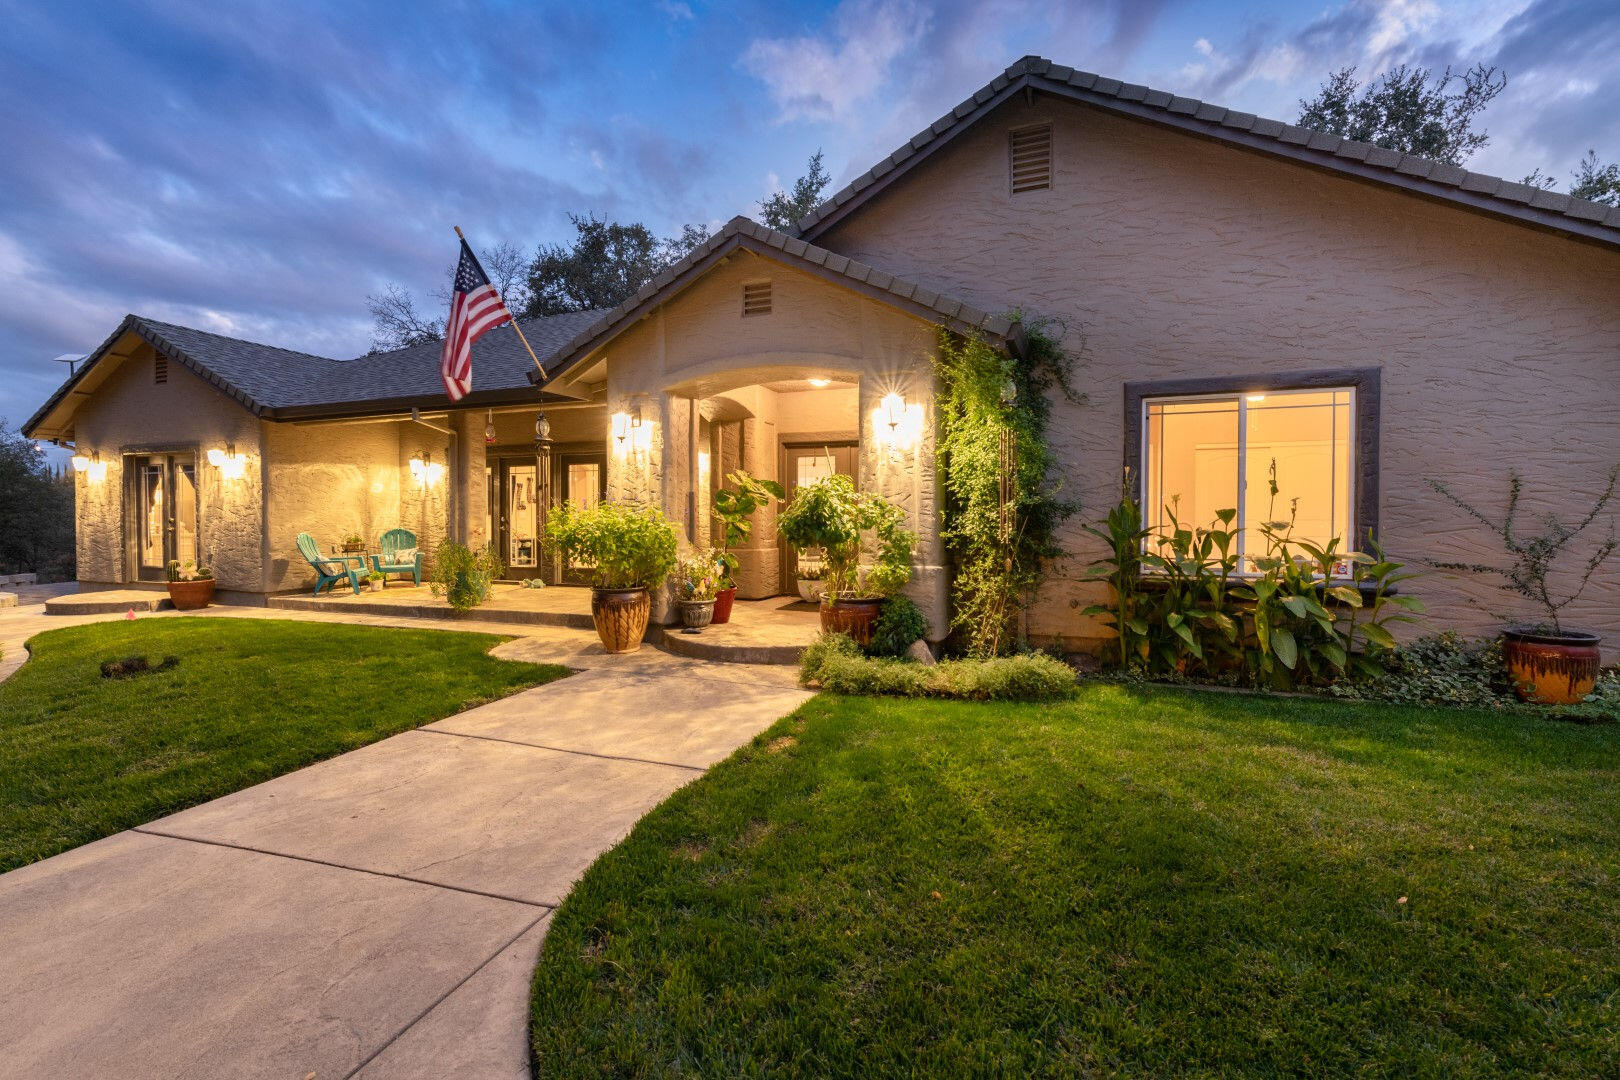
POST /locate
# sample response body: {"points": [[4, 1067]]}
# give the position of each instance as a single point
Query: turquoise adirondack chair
{"points": [[398, 554], [329, 570]]}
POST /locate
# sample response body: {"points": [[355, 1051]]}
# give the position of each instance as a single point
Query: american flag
{"points": [[475, 309]]}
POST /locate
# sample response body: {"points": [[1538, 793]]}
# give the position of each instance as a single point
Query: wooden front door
{"points": [[162, 501], [801, 465], [517, 494]]}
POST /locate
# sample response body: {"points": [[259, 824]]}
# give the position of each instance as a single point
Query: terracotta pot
{"points": [[696, 614], [853, 617], [621, 617], [722, 605], [1549, 668], [191, 595]]}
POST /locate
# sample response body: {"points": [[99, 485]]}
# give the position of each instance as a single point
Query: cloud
{"points": [[828, 77]]}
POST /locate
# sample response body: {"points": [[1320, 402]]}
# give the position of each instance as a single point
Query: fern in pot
{"points": [[831, 515], [628, 550]]}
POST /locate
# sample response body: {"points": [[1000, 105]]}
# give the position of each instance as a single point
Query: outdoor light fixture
{"points": [[231, 465], [1255, 397], [81, 462], [489, 427], [427, 471], [893, 410], [621, 429], [819, 383], [94, 469], [898, 423], [631, 432], [542, 429]]}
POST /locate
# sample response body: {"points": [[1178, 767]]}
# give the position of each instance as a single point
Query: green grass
{"points": [[1137, 882], [82, 757]]}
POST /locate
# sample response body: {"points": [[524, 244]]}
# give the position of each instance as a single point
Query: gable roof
{"points": [[747, 234], [1408, 172], [283, 384]]}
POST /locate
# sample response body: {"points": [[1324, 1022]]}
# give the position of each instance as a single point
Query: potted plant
{"points": [[190, 586], [463, 576], [375, 581], [808, 574], [697, 583], [353, 542], [1549, 663], [629, 551], [831, 515], [735, 508]]}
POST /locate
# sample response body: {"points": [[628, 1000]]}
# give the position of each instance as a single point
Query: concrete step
{"points": [[106, 602], [712, 645]]}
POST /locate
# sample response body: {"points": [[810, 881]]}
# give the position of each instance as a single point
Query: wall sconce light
{"points": [[897, 423], [428, 472], [631, 432], [94, 469], [231, 465], [621, 430]]}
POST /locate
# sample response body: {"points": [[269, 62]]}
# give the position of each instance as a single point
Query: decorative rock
{"points": [[918, 650]]}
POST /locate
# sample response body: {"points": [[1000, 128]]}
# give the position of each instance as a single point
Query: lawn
{"points": [[1139, 882], [82, 756]]}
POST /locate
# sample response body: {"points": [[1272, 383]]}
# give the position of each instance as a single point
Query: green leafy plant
{"points": [[463, 576], [1532, 560], [735, 506], [831, 515], [834, 663], [899, 623], [354, 540], [992, 412], [697, 576], [625, 546]]}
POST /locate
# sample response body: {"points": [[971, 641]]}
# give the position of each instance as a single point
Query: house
{"points": [[1247, 302]]}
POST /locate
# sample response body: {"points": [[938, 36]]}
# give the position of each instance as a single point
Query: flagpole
{"points": [[515, 326]]}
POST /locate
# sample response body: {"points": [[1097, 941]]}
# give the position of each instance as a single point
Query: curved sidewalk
{"points": [[377, 914]]}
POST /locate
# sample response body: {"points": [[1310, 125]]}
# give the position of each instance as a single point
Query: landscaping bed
{"points": [[84, 755], [1132, 881]]}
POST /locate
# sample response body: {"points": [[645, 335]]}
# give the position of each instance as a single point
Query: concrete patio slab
{"points": [[494, 817], [680, 717], [140, 956], [481, 1030]]}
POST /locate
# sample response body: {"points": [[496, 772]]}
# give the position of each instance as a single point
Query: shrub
{"points": [[831, 515], [626, 546], [463, 576], [835, 664], [899, 624]]}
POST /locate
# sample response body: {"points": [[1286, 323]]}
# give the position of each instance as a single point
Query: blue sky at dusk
{"points": [[258, 169]]}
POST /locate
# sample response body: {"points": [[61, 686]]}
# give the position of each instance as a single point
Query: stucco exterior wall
{"points": [[1168, 256], [700, 345], [131, 413]]}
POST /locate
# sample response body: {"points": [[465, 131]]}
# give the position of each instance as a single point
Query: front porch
{"points": [[772, 631]]}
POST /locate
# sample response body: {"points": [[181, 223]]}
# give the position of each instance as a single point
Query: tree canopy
{"points": [[781, 209], [1410, 109], [36, 510]]}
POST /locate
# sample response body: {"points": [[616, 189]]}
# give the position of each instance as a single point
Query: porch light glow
{"points": [[427, 472], [819, 383], [94, 469], [897, 423], [81, 462], [621, 429], [231, 465]]}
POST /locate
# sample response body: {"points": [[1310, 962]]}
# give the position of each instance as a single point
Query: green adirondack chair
{"points": [[398, 554], [329, 569]]}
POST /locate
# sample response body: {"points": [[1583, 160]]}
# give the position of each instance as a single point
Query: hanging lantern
{"points": [[489, 427], [542, 429]]}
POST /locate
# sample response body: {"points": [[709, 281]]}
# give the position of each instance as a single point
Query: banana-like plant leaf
{"points": [[1286, 648]]}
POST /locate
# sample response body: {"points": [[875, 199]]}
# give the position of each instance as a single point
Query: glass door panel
{"points": [[150, 514], [584, 480], [523, 534], [164, 515]]}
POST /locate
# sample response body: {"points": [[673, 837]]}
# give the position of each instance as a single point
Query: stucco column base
{"points": [[759, 572], [929, 589]]}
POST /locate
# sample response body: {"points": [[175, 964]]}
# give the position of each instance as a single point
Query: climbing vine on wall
{"points": [[998, 558]]}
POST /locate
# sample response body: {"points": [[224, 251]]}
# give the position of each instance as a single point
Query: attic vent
{"points": [[160, 369], [757, 298], [1029, 151]]}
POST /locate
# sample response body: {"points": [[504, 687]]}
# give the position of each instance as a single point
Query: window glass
{"points": [[522, 519], [1282, 457]]}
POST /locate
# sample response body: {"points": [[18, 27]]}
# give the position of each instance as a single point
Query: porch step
{"points": [[727, 650], [361, 605], [107, 602]]}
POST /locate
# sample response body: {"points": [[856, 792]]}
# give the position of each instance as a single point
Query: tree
{"points": [[1598, 183], [36, 510], [782, 209], [1409, 109], [606, 265], [396, 324]]}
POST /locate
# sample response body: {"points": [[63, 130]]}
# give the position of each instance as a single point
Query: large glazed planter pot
{"points": [[853, 617], [191, 595], [696, 614], [722, 605], [621, 617], [1551, 668]]}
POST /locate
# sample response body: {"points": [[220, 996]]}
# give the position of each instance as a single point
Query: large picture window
{"points": [[1285, 456]]}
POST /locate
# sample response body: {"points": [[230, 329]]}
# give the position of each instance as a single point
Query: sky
{"points": [[258, 169]]}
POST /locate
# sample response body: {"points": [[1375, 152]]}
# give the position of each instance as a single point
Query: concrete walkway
{"points": [[374, 915]]}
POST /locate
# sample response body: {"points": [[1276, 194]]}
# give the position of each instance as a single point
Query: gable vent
{"points": [[757, 298], [160, 369], [1030, 153]]}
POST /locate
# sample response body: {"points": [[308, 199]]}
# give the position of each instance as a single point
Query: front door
{"points": [[517, 494], [803, 465], [583, 480], [162, 499]]}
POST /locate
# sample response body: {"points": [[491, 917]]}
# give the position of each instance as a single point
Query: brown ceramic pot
{"points": [[722, 605], [1551, 668], [853, 617], [621, 617], [191, 595]]}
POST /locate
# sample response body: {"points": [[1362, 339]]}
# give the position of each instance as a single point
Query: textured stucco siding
{"points": [[700, 345], [131, 413], [1167, 256]]}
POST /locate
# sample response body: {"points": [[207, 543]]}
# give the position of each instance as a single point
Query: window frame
{"points": [[1366, 400]]}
